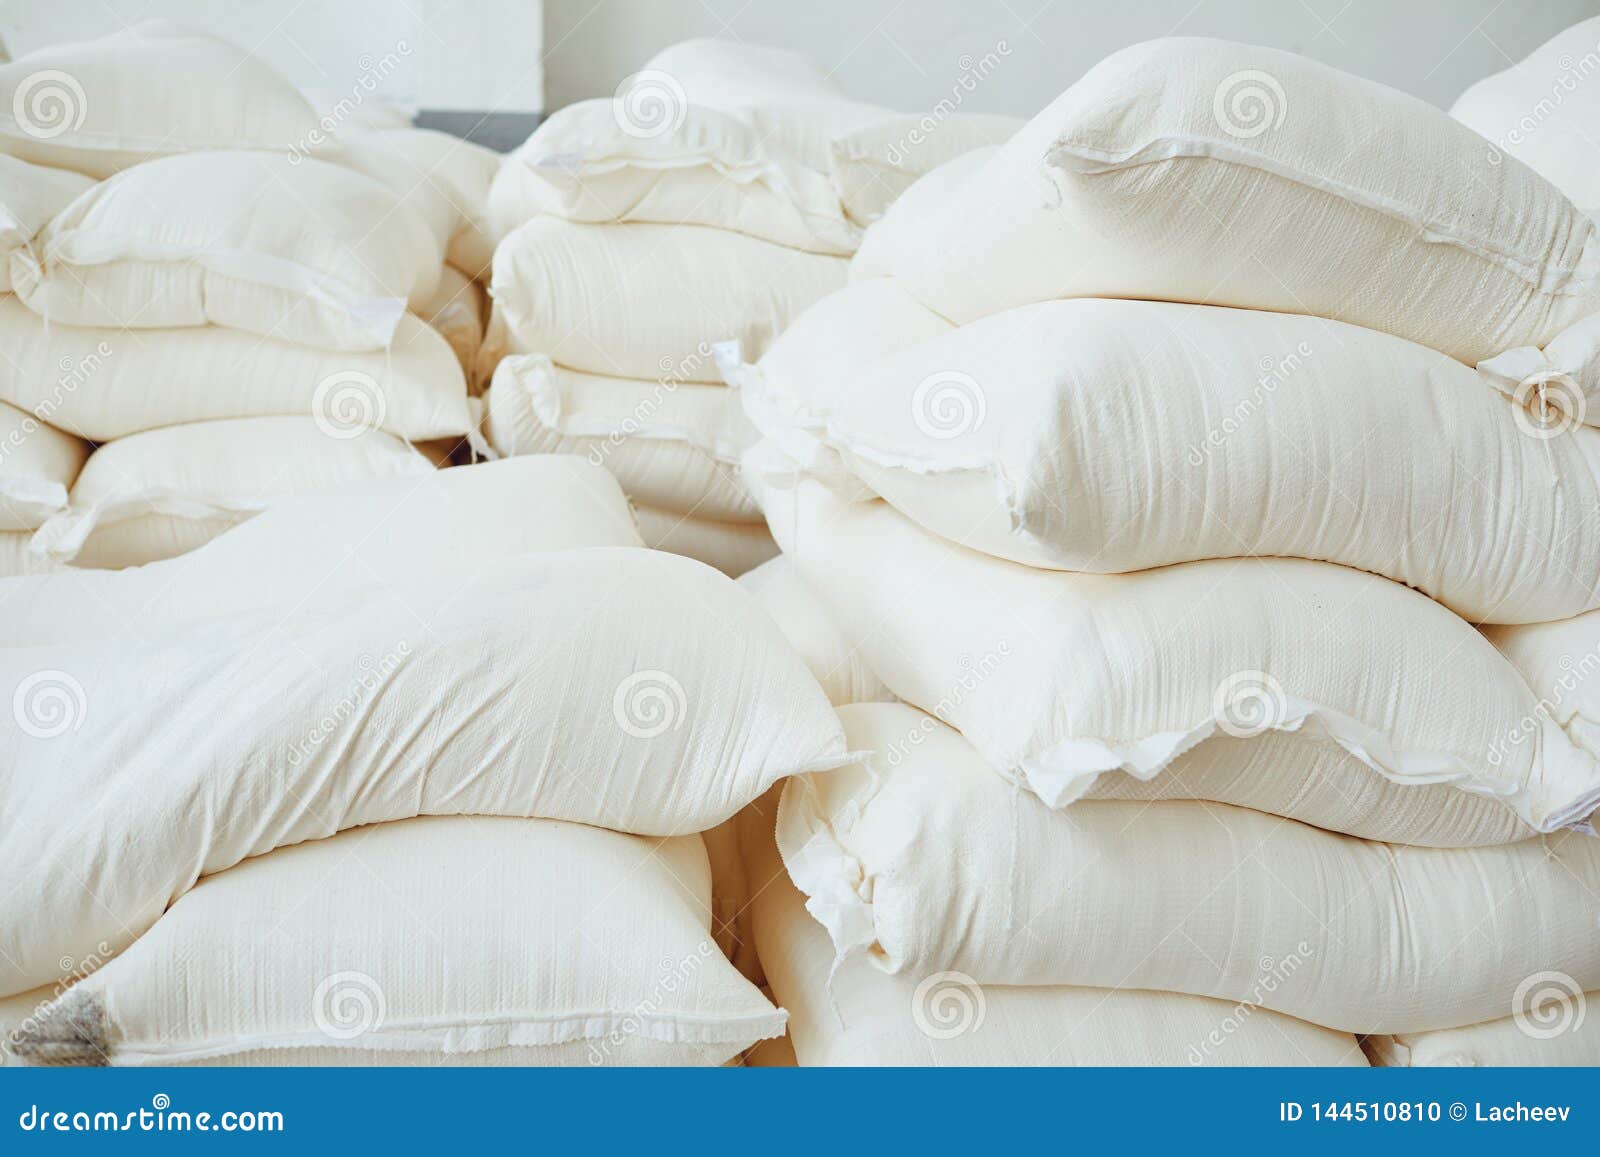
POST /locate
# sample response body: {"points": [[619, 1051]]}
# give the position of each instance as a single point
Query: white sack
{"points": [[674, 446], [313, 544], [649, 301], [622, 688], [103, 383], [156, 88], [306, 252], [30, 195], [1109, 436], [38, 465], [444, 178], [1059, 677], [731, 547], [859, 1015], [165, 492], [1561, 662], [645, 155], [827, 654], [1544, 111], [1551, 1024], [871, 166], [459, 941], [458, 312], [923, 860], [17, 560], [1226, 174]]}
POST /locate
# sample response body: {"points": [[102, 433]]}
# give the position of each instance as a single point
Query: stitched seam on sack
{"points": [[1165, 148]]}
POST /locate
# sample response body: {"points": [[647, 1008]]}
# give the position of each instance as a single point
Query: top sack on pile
{"points": [[307, 252], [1225, 174], [101, 106], [1543, 111], [708, 133]]}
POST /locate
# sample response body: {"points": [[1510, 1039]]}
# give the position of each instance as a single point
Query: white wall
{"points": [[448, 54], [911, 54]]}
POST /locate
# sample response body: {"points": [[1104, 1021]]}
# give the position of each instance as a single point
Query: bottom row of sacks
{"points": [[946, 920]]}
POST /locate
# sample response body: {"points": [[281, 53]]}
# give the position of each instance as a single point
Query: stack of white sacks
{"points": [[491, 733], [651, 236], [231, 298], [1160, 462]]}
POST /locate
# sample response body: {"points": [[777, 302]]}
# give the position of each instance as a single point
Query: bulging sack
{"points": [[650, 301], [549, 686], [311, 544], [1542, 112], [1058, 677], [1231, 903], [827, 654], [731, 547], [99, 106], [165, 492], [852, 1013], [38, 465], [104, 383], [644, 155], [312, 252], [540, 943], [1108, 436], [873, 165], [444, 178], [674, 446], [30, 195], [1324, 194]]}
